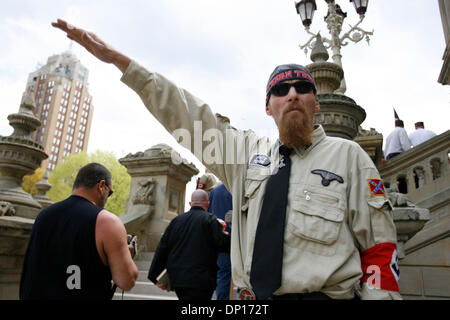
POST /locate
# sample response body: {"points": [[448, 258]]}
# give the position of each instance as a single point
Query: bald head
{"points": [[199, 198]]}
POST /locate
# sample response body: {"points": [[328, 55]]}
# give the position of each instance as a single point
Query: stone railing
{"points": [[422, 172]]}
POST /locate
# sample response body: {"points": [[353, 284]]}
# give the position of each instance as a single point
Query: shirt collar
{"points": [[317, 136], [197, 208]]}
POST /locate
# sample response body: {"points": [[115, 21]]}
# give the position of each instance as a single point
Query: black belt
{"points": [[248, 294]]}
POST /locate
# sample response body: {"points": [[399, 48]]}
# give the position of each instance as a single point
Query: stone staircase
{"points": [[144, 288]]}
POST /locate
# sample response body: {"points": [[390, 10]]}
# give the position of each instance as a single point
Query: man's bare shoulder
{"points": [[109, 221]]}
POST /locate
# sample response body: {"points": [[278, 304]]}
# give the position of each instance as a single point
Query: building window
{"points": [[436, 168], [402, 185], [419, 177]]}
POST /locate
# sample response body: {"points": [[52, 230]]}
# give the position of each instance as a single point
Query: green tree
{"points": [[63, 177], [29, 181]]}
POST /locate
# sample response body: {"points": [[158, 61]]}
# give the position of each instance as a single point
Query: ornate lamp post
{"points": [[334, 19]]}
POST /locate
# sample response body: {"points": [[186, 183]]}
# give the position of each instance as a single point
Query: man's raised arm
{"points": [[94, 45], [221, 148]]}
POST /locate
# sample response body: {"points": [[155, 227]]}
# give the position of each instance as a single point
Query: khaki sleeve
{"points": [[208, 136], [371, 222], [370, 216]]}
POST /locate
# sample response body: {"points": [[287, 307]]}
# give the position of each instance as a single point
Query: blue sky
{"points": [[223, 52]]}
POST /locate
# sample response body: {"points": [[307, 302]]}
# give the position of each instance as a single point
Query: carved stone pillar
{"points": [[371, 141], [43, 186], [157, 192], [19, 156]]}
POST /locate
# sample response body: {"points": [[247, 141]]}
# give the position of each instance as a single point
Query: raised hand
{"points": [[94, 45]]}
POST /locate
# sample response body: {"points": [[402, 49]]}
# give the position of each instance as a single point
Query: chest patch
{"points": [[327, 176]]}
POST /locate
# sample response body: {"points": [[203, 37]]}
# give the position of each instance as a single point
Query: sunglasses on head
{"points": [[282, 89]]}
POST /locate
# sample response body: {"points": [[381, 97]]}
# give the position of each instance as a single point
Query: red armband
{"points": [[380, 266], [200, 185]]}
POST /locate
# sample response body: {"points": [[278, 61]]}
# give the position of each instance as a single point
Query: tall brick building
{"points": [[64, 106]]}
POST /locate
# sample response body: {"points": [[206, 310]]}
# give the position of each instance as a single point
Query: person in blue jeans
{"points": [[221, 203]]}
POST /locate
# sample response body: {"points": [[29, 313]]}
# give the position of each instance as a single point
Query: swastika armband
{"points": [[380, 266]]}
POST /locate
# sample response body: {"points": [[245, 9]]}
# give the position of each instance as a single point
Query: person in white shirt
{"points": [[397, 141], [420, 135]]}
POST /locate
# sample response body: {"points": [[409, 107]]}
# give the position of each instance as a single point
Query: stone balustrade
{"points": [[423, 173]]}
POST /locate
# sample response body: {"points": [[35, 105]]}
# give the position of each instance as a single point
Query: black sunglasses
{"points": [[110, 190], [282, 89]]}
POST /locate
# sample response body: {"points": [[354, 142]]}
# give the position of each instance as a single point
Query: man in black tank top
{"points": [[76, 247]]}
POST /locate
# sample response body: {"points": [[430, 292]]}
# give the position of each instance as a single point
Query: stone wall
{"points": [[425, 173], [14, 235]]}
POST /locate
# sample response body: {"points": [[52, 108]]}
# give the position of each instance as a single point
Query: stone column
{"points": [[157, 192], [43, 186], [19, 155], [14, 235], [371, 141]]}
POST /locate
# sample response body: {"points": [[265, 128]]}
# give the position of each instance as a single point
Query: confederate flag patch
{"points": [[376, 187]]}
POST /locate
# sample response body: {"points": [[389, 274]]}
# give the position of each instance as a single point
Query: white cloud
{"points": [[223, 52]]}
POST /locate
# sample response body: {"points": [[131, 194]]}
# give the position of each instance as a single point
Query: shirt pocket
{"points": [[381, 220], [317, 215], [254, 179]]}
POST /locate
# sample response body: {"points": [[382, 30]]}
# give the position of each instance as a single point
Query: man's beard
{"points": [[295, 132]]}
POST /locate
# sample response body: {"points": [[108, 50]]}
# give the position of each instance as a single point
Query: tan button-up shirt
{"points": [[327, 225]]}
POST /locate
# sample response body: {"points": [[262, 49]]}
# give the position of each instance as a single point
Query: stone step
{"points": [[142, 276], [147, 256], [143, 289], [143, 265], [130, 296]]}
